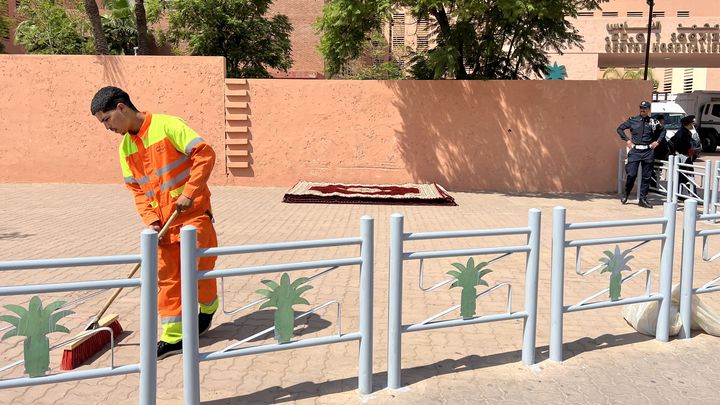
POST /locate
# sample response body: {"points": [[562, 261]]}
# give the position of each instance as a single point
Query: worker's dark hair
{"points": [[107, 99]]}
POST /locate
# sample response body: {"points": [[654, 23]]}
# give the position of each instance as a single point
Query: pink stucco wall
{"points": [[506, 136], [497, 135], [47, 133]]}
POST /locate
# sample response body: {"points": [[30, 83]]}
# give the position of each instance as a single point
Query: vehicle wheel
{"points": [[709, 140]]}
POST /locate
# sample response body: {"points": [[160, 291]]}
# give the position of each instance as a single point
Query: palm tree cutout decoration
{"points": [[283, 296], [35, 323], [615, 264], [468, 277], [556, 72]]}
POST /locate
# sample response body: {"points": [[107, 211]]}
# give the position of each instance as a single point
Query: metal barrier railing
{"points": [[398, 256], [661, 182], [148, 281], [690, 234], [700, 191], [560, 243], [666, 181], [190, 276], [714, 201]]}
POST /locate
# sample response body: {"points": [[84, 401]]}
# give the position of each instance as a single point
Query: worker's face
{"points": [[644, 112], [116, 120]]}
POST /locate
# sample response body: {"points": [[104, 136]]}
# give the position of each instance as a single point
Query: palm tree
{"points": [[615, 264], [468, 277], [35, 323], [612, 73], [283, 296], [119, 26], [141, 19], [91, 8]]}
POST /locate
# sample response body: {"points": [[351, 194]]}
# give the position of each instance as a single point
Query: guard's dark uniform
{"points": [[643, 134]]}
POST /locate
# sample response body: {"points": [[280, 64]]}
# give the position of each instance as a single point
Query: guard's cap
{"points": [[687, 119]]}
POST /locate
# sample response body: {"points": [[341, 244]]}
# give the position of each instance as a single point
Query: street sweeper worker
{"points": [[166, 165]]}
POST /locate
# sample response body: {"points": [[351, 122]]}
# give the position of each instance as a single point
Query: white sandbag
{"points": [[704, 317], [643, 316]]}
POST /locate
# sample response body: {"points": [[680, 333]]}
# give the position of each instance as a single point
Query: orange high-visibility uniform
{"points": [[165, 160]]}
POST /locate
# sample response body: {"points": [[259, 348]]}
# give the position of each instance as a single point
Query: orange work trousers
{"points": [[169, 294]]}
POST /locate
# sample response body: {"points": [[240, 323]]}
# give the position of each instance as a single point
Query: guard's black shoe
{"points": [[644, 203], [165, 349], [204, 321], [623, 198]]}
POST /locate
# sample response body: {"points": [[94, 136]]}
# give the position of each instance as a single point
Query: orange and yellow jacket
{"points": [[164, 160]]}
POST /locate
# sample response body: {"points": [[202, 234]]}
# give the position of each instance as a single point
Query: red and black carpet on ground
{"points": [[389, 194]]}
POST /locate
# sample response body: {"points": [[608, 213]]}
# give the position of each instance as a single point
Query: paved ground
{"points": [[606, 361]]}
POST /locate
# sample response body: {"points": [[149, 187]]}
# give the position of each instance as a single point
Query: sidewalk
{"points": [[606, 361]]}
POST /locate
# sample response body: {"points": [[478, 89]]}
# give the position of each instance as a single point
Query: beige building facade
{"points": [[684, 42]]}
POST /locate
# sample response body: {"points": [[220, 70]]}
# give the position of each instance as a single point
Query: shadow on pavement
{"points": [[410, 376]]}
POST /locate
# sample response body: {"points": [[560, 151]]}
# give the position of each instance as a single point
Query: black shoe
{"points": [[623, 198], [165, 349], [644, 203], [204, 321]]}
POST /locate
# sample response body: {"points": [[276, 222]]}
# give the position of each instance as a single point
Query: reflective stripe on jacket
{"points": [[164, 160]]}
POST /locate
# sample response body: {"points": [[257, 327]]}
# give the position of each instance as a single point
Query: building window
{"points": [[658, 14], [398, 31], [422, 35], [716, 110], [688, 80], [610, 14], [683, 14], [667, 80], [635, 14], [585, 14], [377, 61]]}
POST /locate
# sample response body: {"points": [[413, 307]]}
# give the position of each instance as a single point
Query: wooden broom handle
{"points": [[112, 298]]}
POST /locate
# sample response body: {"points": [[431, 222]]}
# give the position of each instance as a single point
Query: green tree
{"points": [[47, 27], [235, 29], [91, 9], [283, 296], [615, 263], [4, 24], [375, 62], [613, 73], [142, 27], [35, 323], [468, 277], [119, 27], [476, 39]]}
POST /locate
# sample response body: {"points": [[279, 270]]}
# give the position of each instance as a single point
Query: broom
{"points": [[87, 345]]}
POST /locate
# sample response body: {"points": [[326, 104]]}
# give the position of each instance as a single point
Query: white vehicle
{"points": [[705, 106], [672, 113]]}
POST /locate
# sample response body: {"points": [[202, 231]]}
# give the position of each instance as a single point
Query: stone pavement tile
{"points": [[605, 359]]}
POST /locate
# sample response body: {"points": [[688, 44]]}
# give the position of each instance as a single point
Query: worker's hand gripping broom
{"points": [[87, 346]]}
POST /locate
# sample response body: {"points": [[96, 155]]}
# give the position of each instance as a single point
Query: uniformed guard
{"points": [[646, 135]]}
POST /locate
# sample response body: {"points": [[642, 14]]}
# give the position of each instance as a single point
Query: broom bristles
{"points": [[85, 348]]}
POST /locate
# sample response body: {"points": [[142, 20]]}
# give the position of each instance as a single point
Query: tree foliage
{"points": [[475, 39], [48, 27], [612, 73], [120, 27], [375, 63], [4, 24], [236, 29]]}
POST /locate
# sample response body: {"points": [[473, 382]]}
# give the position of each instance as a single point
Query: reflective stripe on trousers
{"points": [[169, 301]]}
